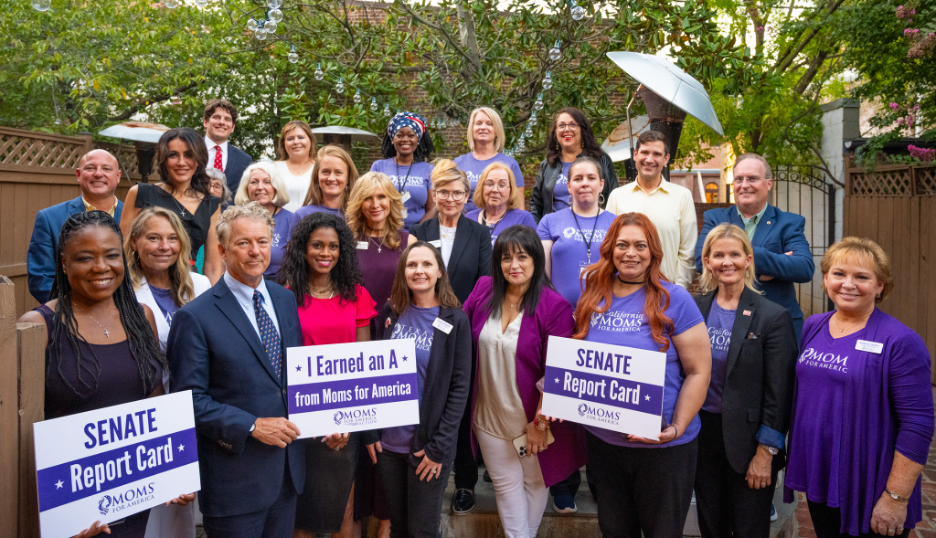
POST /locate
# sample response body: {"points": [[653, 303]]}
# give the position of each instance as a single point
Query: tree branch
{"points": [[127, 114]]}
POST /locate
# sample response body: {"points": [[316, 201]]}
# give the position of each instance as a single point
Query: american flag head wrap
{"points": [[407, 119]]}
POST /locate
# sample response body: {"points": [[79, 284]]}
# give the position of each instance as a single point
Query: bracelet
{"points": [[541, 423], [896, 496], [675, 428]]}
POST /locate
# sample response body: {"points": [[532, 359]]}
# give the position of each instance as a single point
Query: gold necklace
{"points": [[513, 304], [322, 293], [842, 330]]}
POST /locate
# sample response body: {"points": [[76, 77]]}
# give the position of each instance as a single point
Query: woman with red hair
{"points": [[645, 485]]}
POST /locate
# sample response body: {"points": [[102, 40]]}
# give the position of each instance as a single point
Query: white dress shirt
{"points": [[244, 295], [211, 154], [671, 209], [296, 186]]}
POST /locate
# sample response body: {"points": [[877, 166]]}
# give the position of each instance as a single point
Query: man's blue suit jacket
{"points": [[214, 351], [40, 259], [777, 232]]}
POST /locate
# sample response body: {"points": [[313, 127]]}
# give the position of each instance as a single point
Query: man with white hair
{"points": [[98, 175], [228, 346]]}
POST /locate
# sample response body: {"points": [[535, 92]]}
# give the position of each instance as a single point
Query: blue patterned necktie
{"points": [[268, 334]]}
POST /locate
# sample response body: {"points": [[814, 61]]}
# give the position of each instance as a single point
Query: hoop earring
{"points": [[601, 198]]}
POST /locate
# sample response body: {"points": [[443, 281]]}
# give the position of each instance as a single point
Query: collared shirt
{"points": [[244, 295], [671, 209], [750, 225], [211, 153], [89, 207]]}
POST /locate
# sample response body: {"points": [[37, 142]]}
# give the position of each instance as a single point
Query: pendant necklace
{"points": [[379, 242], [106, 332]]}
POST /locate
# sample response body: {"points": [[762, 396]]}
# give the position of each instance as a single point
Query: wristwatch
{"points": [[773, 451], [895, 496]]}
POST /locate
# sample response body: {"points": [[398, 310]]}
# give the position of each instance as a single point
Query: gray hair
{"points": [[250, 210], [217, 175], [280, 197], [768, 173]]}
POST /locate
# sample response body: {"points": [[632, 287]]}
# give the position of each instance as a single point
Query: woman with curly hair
{"points": [[645, 484], [320, 266], [102, 348], [182, 158], [406, 146]]}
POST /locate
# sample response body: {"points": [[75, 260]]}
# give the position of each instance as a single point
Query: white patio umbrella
{"points": [[138, 131]]}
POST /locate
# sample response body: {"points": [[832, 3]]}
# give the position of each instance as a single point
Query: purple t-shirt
{"points": [[415, 323], [473, 167], [633, 331], [513, 216], [413, 179], [166, 304], [562, 198], [307, 210], [569, 253], [285, 222], [720, 322]]}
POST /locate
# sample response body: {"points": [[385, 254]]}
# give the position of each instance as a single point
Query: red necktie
{"points": [[217, 163]]}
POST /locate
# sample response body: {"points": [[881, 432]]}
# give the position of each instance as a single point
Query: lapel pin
{"points": [[747, 312], [768, 222]]}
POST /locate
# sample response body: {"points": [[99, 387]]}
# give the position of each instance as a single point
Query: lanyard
{"points": [[406, 179], [588, 241]]}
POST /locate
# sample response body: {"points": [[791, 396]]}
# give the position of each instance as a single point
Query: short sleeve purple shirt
{"points": [[562, 198], [569, 254], [624, 324], [512, 217], [414, 179], [285, 222], [473, 167]]}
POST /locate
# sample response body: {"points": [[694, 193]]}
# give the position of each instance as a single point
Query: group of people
{"points": [[303, 251]]}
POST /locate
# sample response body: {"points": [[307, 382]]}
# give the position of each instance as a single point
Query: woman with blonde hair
{"points": [[645, 484], [486, 141], [498, 205], [261, 183], [333, 177], [753, 359], [862, 406], [295, 151]]}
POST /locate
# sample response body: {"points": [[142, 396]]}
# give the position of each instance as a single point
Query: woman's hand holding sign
{"points": [[94, 530], [668, 434], [336, 441]]}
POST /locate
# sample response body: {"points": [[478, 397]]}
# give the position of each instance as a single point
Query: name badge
{"points": [[442, 325], [437, 243], [362, 245], [870, 347], [582, 266], [404, 213], [406, 196]]}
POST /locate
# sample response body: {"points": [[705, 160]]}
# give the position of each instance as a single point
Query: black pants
{"points": [[274, 522], [642, 489], [466, 466], [727, 506], [828, 521], [415, 506], [570, 485]]}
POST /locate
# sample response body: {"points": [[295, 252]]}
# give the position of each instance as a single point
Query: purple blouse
{"points": [[852, 409], [553, 316]]}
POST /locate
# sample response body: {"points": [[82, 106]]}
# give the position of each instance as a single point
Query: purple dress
{"points": [[852, 409], [553, 316], [379, 268], [285, 222], [412, 179], [473, 167], [513, 216]]}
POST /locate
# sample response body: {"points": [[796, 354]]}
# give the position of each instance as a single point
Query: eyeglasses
{"points": [[750, 180], [569, 126], [449, 195]]}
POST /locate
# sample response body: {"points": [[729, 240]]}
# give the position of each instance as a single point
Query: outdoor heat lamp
{"points": [[145, 136]]}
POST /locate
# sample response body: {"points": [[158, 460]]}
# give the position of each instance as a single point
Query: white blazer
{"points": [[145, 296]]}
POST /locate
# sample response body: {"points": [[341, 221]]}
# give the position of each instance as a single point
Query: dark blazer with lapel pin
{"points": [[777, 233], [237, 162], [471, 254], [448, 379], [758, 391], [214, 351]]}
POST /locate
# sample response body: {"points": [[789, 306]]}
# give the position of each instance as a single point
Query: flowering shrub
{"points": [[923, 154]]}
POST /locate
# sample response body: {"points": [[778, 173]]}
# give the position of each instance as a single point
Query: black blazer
{"points": [[238, 161], [445, 393], [758, 389], [471, 254]]}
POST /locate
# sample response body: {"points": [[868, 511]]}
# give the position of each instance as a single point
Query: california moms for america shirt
{"points": [[412, 179], [624, 324], [569, 252]]}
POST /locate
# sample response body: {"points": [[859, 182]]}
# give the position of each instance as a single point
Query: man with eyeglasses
{"points": [[98, 175], [781, 251], [669, 207]]}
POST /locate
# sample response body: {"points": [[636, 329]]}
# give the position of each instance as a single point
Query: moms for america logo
{"points": [[720, 338], [599, 414], [829, 361], [571, 232], [423, 338], [120, 501], [619, 322]]}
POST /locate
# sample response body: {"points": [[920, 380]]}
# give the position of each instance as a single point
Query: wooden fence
{"points": [[22, 397], [37, 170], [895, 206]]}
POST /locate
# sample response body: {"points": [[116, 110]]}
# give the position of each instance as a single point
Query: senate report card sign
{"points": [[613, 387], [107, 464], [353, 387]]}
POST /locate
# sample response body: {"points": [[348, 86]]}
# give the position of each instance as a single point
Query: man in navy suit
{"points": [[228, 346], [781, 251], [98, 175], [220, 118]]}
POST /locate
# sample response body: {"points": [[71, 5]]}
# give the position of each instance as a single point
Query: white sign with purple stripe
{"points": [[341, 388], [613, 387], [111, 463]]}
